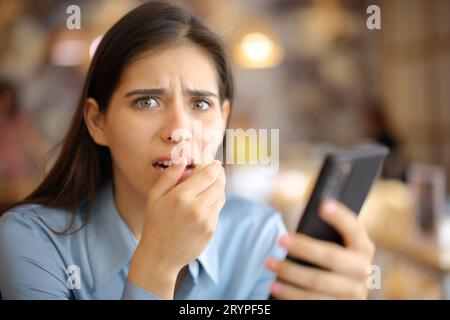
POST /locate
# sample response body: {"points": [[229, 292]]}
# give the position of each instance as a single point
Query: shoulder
{"points": [[33, 230], [36, 217], [35, 223], [31, 253]]}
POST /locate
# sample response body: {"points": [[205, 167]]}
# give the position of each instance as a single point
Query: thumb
{"points": [[167, 180]]}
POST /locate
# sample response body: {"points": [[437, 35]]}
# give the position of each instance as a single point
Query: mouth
{"points": [[164, 164]]}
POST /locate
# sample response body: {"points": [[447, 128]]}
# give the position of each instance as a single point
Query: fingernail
{"points": [[217, 162], [181, 161], [272, 264], [286, 241], [328, 208], [275, 287]]}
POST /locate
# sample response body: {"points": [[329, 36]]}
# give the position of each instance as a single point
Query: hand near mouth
{"points": [[181, 218]]}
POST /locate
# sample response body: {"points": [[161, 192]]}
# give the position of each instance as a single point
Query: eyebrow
{"points": [[161, 91]]}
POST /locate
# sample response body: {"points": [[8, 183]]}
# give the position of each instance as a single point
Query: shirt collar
{"points": [[209, 260], [111, 243]]}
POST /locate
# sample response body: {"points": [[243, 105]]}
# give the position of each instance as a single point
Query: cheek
{"points": [[212, 138], [128, 140]]}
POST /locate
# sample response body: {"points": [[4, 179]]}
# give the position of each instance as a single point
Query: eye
{"points": [[145, 102], [201, 105]]}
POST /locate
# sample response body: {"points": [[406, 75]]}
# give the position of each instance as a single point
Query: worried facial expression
{"points": [[166, 105]]}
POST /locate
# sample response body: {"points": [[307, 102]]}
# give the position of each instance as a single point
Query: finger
{"points": [[168, 179], [284, 291], [316, 280], [201, 179], [213, 192], [347, 224], [326, 254]]}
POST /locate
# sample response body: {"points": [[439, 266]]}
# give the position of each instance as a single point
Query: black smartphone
{"points": [[346, 176]]}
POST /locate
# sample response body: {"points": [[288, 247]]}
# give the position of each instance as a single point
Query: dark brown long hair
{"points": [[83, 167]]}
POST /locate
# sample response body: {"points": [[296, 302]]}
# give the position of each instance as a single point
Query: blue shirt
{"points": [[92, 263]]}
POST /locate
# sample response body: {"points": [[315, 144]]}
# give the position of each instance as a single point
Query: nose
{"points": [[178, 125]]}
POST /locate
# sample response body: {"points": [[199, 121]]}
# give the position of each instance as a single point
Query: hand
{"points": [[180, 221], [346, 267]]}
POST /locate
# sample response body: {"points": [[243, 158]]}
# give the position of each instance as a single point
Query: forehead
{"points": [[185, 64]]}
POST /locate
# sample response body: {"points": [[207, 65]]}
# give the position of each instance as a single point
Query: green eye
{"points": [[201, 105], [146, 102]]}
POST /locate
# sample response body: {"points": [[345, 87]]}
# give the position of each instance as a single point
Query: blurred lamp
{"points": [[257, 50], [68, 53], [93, 46]]}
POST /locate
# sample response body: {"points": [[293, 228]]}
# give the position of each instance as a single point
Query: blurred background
{"points": [[310, 68]]}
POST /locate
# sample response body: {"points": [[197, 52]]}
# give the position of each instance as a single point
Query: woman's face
{"points": [[166, 101]]}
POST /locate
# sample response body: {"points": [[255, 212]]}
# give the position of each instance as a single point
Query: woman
{"points": [[139, 226]]}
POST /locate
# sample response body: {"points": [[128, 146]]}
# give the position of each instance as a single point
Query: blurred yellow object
{"points": [[402, 281], [389, 211]]}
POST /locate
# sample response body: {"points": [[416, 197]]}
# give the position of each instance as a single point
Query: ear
{"points": [[95, 121], [226, 108]]}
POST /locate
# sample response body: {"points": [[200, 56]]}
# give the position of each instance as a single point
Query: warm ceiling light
{"points": [[257, 50], [257, 47]]}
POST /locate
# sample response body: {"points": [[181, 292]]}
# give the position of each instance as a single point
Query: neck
{"points": [[131, 206]]}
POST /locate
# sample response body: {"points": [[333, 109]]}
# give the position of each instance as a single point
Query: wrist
{"points": [[152, 275]]}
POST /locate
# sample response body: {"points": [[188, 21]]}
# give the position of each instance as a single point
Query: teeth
{"points": [[168, 163]]}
